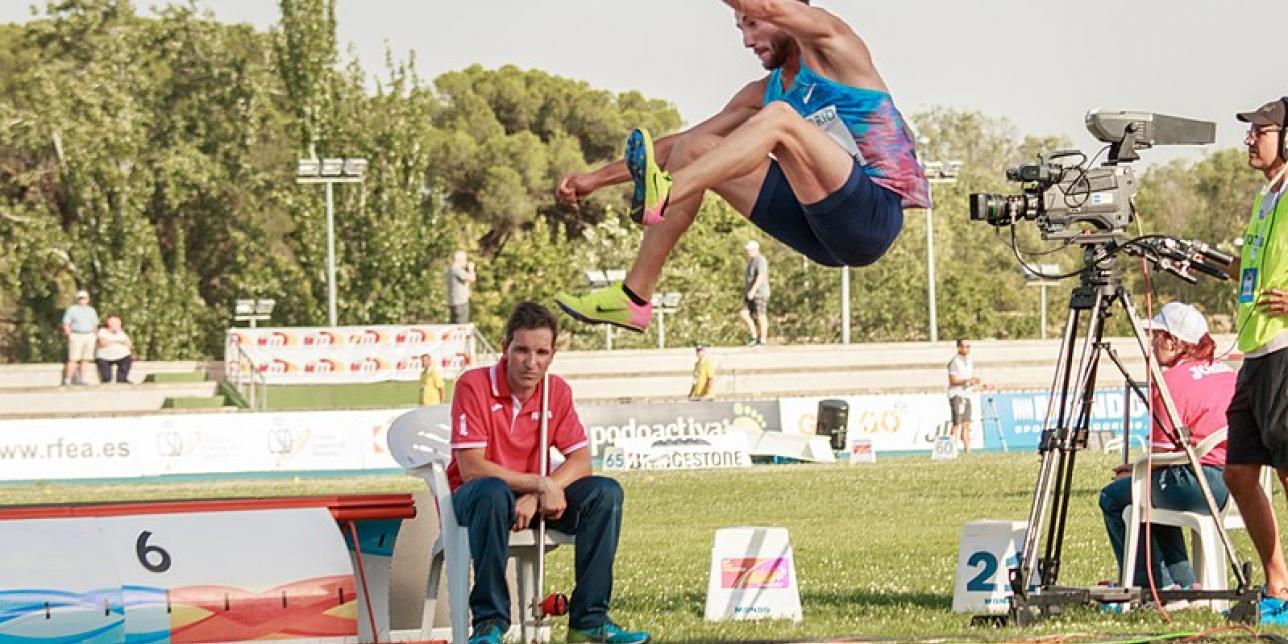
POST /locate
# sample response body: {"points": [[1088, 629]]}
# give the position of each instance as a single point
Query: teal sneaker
{"points": [[652, 183], [608, 305], [1274, 611], [488, 632], [609, 633]]}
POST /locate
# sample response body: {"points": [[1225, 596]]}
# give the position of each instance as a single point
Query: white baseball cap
{"points": [[1182, 321], [753, 245], [80, 294]]}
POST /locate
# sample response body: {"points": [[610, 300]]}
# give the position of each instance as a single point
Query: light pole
{"points": [[599, 278], [253, 310], [663, 304], [936, 172], [330, 172], [1039, 280]]}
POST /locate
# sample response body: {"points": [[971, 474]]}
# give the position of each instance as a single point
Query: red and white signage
{"points": [[305, 355]]}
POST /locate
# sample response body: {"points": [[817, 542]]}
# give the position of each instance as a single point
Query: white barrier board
{"points": [[193, 577], [138, 446], [753, 576]]}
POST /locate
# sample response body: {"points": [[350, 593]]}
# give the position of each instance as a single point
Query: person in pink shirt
{"points": [[498, 486], [1201, 388]]}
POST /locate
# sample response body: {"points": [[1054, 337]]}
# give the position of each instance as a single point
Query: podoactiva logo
{"points": [[607, 424]]}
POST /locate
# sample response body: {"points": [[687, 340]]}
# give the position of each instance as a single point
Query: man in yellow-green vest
{"points": [[1258, 414]]}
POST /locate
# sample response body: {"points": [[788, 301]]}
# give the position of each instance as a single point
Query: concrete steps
{"points": [[51, 374], [147, 397]]}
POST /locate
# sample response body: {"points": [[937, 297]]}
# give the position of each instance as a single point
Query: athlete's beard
{"points": [[781, 48]]}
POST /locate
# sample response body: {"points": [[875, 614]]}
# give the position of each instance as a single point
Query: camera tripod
{"points": [[1066, 431]]}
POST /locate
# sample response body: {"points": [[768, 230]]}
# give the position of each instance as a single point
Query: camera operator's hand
{"points": [[1274, 301]]}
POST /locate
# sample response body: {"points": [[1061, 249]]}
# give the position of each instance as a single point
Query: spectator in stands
{"points": [[459, 277], [1201, 388], [432, 387], [756, 295], [80, 325], [114, 350], [961, 381], [497, 487], [704, 376]]}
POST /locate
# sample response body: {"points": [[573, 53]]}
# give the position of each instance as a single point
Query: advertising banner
{"points": [[714, 451], [608, 424], [304, 355], [139, 446], [1020, 415], [893, 423]]}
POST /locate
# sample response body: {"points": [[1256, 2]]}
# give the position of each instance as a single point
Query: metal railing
{"points": [[250, 384], [481, 349]]}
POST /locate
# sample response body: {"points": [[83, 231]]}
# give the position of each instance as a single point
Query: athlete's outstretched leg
{"points": [[613, 304], [814, 164]]}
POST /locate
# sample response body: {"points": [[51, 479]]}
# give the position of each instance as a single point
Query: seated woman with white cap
{"points": [[1201, 387]]}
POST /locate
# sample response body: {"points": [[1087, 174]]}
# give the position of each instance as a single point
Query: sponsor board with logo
{"points": [[892, 423], [301, 355], [608, 425], [916, 422], [752, 576], [160, 445], [713, 451], [1020, 415]]}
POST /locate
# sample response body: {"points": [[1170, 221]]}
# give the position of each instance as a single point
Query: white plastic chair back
{"points": [[1208, 558], [420, 441]]}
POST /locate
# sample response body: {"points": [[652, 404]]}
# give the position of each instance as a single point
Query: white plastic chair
{"points": [[420, 441], [1208, 554]]}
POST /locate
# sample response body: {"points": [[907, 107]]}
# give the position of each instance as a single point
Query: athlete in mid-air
{"points": [[815, 154]]}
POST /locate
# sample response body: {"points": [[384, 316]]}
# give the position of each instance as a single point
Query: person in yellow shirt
{"points": [[432, 387], [704, 376]]}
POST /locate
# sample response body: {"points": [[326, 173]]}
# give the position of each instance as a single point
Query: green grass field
{"points": [[875, 545]]}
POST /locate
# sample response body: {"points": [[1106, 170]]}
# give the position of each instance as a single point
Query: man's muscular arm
{"points": [[827, 42], [741, 107]]}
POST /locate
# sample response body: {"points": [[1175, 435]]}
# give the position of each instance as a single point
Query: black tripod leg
{"points": [[1022, 579]]}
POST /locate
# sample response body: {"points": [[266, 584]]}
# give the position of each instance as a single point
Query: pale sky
{"points": [[1040, 64]]}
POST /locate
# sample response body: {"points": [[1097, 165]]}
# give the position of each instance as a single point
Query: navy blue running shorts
{"points": [[853, 226]]}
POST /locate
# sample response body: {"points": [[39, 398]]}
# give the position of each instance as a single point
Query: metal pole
{"points": [[661, 329], [1042, 290], [845, 305], [330, 256], [608, 337], [930, 273]]}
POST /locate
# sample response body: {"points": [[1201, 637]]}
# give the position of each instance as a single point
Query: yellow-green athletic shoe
{"points": [[652, 183], [609, 633], [608, 305]]}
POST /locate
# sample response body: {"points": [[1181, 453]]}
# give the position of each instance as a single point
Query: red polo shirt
{"points": [[486, 415]]}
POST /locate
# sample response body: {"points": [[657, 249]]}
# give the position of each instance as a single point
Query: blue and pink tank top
{"points": [[863, 121]]}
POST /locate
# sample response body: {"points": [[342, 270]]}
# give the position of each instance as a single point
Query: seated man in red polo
{"points": [[497, 486]]}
